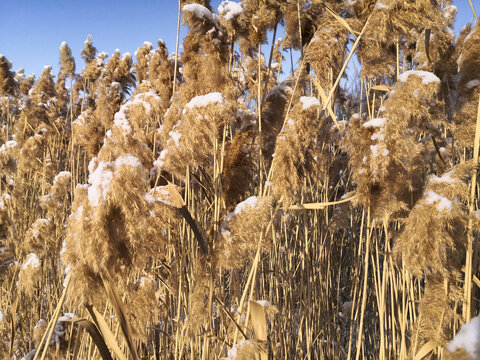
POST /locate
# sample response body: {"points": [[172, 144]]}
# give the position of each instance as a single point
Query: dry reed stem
{"points": [[49, 330], [473, 10], [105, 331], [467, 286]]}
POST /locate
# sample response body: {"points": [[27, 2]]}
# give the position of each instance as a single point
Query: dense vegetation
{"points": [[195, 206]]}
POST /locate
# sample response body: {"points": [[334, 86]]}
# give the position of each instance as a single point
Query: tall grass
{"points": [[194, 206]]}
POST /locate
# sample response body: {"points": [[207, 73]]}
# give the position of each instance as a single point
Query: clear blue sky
{"points": [[31, 31]]}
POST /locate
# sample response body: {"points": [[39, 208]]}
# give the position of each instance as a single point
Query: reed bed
{"points": [[203, 206]]}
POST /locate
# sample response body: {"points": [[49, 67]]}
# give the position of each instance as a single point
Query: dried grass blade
{"points": [[467, 305], [429, 346], [182, 209], [323, 97], [13, 321], [107, 334], [320, 205], [341, 21], [96, 337], [121, 312], [259, 322], [229, 314], [381, 87], [354, 47], [47, 336], [427, 44], [473, 10]]}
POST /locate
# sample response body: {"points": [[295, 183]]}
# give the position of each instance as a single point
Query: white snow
{"points": [[126, 56], [121, 121], [280, 90], [100, 181], [66, 317], [68, 269], [226, 234], [308, 102], [160, 161], [374, 149], [264, 303], [175, 135], [233, 352], [426, 76], [63, 45], [128, 160], [472, 83], [61, 175], [161, 194], [204, 100], [468, 338], [200, 11], [377, 122], [276, 66], [41, 323], [229, 9], [445, 178], [141, 99], [251, 202], [2, 315], [137, 100], [144, 281], [11, 144], [32, 261], [378, 136], [381, 5], [443, 203]]}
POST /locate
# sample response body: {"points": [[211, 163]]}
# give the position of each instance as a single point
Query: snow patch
{"points": [[100, 180], [443, 203], [446, 178], [308, 102], [381, 5], [229, 9], [175, 135], [472, 83], [264, 303], [200, 11], [251, 202], [128, 160], [378, 136], [144, 281], [377, 122], [468, 338], [426, 76], [160, 161], [233, 352], [160, 194], [121, 121], [32, 261], [204, 100]]}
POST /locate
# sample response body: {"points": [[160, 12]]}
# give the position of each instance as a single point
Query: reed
{"points": [[154, 208]]}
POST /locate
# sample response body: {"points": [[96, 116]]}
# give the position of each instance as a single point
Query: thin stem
{"points": [[176, 47]]}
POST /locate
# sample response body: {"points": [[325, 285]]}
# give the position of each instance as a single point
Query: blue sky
{"points": [[31, 31]]}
